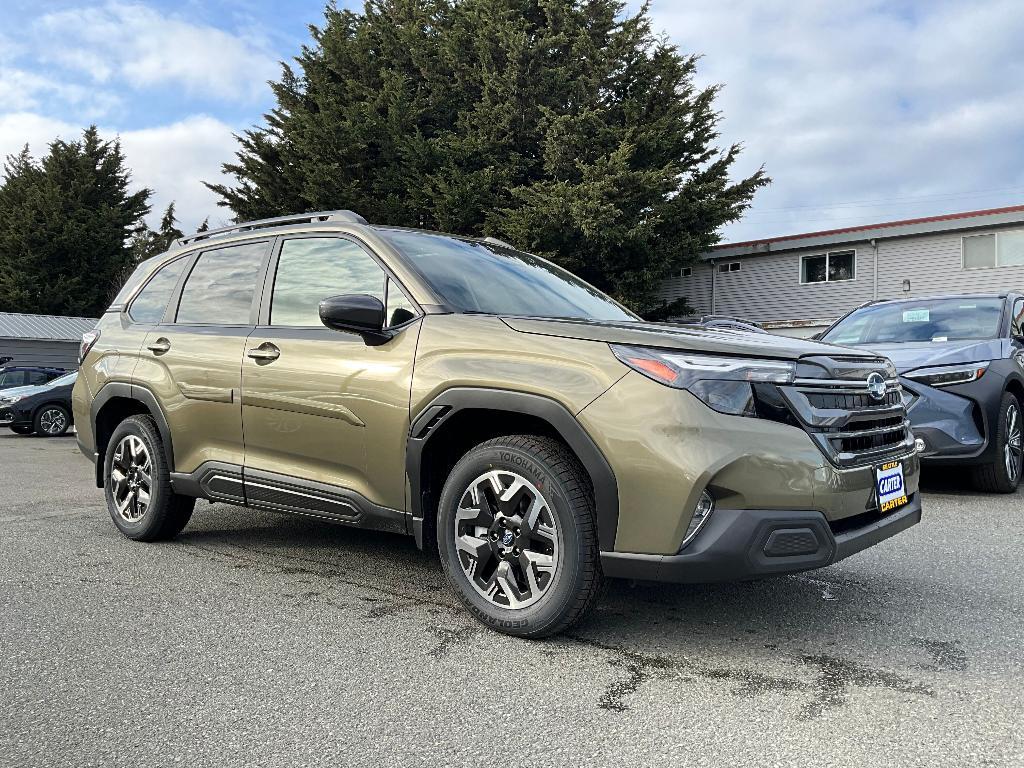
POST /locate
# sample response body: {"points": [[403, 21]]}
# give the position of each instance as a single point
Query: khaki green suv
{"points": [[488, 403]]}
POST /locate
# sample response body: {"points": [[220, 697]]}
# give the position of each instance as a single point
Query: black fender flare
{"points": [[130, 392], [451, 401]]}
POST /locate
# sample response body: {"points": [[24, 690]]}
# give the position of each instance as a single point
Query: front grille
{"points": [[849, 401], [874, 441], [850, 425]]}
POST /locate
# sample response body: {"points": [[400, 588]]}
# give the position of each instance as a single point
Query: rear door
{"points": [[192, 359], [325, 413]]}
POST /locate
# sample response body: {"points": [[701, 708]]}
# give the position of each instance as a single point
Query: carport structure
{"points": [[42, 340]]}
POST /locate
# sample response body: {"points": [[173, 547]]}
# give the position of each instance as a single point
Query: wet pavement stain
{"points": [[449, 638], [830, 689], [837, 676], [947, 655]]}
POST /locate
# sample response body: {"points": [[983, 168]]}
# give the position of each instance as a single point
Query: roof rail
{"points": [[299, 218], [496, 241]]}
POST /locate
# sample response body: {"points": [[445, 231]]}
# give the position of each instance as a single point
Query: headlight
{"points": [[10, 399], [947, 375], [723, 383]]}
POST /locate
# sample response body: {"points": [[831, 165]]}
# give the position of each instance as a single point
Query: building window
{"points": [[1000, 249], [733, 266], [686, 271], [830, 267]]}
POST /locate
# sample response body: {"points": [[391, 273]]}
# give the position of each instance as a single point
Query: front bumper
{"points": [[746, 464], [738, 544], [13, 417], [955, 422]]}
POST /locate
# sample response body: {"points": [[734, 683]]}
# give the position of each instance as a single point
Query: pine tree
{"points": [[65, 224], [562, 126], [146, 243]]}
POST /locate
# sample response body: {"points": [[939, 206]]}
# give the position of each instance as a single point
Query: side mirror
{"points": [[356, 313]]}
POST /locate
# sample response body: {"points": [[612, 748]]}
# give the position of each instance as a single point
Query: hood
{"points": [[908, 355], [722, 341]]}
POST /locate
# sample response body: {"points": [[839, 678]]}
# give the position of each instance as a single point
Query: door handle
{"points": [[159, 346], [264, 353]]}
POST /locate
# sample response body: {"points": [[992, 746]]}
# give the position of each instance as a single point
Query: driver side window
{"points": [[1017, 319], [311, 269]]}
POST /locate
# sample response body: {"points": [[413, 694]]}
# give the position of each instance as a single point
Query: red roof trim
{"points": [[884, 225]]}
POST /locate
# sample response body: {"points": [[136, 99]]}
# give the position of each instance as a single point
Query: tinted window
{"points": [[37, 377], [481, 277], [1017, 321], [151, 302], [61, 381], [316, 268], [12, 378], [220, 288], [933, 320]]}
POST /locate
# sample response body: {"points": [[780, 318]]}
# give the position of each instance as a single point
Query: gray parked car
{"points": [[961, 363]]}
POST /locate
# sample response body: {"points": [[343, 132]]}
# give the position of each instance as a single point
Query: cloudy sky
{"points": [[860, 111]]}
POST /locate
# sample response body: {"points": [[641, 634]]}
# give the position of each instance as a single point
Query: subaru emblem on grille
{"points": [[876, 385]]}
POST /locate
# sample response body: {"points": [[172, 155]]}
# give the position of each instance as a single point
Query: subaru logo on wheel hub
{"points": [[876, 385], [507, 539]]}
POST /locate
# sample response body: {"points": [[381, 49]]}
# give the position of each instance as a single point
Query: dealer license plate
{"points": [[892, 494]]}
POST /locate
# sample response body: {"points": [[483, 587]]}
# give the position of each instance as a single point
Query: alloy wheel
{"points": [[131, 478], [52, 421], [1012, 450], [506, 539]]}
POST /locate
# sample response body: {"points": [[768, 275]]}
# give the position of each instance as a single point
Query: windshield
{"points": [[933, 320], [482, 277], [67, 378]]}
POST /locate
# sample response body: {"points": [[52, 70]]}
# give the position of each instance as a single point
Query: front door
{"points": [[326, 415], [192, 360]]}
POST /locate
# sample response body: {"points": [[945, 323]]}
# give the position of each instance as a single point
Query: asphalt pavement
{"points": [[263, 639]]}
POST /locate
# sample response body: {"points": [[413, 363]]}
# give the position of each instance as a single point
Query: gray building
{"points": [[42, 340], [798, 284]]}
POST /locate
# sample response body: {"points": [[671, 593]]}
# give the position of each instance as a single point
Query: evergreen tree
{"points": [[562, 126], [65, 223], [146, 242]]}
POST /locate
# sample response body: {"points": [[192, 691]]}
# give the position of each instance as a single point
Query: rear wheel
{"points": [[517, 535], [137, 484], [51, 421], [1003, 474]]}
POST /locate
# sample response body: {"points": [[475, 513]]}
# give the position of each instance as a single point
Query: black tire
{"points": [[51, 421], [21, 430], [568, 503], [166, 513], [1000, 476]]}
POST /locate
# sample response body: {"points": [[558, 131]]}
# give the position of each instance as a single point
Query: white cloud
{"points": [[144, 47], [172, 160], [863, 111], [22, 90]]}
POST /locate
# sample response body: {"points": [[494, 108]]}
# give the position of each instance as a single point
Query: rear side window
{"points": [[316, 268], [151, 302], [38, 377], [220, 288]]}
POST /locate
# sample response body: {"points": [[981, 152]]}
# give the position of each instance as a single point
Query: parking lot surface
{"points": [[264, 639]]}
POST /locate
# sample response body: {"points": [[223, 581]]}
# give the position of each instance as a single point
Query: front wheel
{"points": [[517, 535], [137, 484], [51, 421], [1003, 474]]}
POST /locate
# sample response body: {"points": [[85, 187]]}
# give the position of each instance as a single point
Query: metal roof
{"points": [[44, 327], [1013, 214]]}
